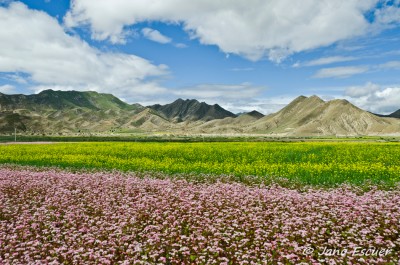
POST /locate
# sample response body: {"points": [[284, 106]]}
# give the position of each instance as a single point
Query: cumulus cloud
{"points": [[388, 15], [155, 35], [33, 43], [264, 105], [375, 98], [340, 72], [254, 29], [362, 91]]}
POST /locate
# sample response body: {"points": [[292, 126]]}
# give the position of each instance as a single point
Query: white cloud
{"points": [[347, 71], [361, 91], [375, 98], [388, 15], [340, 72], [7, 89], [254, 29], [264, 105], [390, 65], [325, 61], [180, 45], [220, 91], [155, 35], [35, 44]]}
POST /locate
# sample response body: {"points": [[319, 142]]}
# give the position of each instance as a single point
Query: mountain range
{"points": [[68, 112]]}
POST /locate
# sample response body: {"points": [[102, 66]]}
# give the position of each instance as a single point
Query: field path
{"points": [[12, 143]]}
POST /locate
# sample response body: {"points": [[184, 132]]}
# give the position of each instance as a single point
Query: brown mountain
{"points": [[311, 116], [72, 111], [237, 124], [147, 120]]}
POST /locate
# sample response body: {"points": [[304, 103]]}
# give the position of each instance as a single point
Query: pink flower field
{"points": [[53, 217]]}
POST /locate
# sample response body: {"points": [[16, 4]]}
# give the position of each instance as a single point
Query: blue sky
{"points": [[242, 55]]}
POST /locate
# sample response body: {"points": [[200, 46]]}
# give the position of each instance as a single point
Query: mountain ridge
{"points": [[191, 110], [74, 112], [63, 111], [313, 116], [63, 99], [395, 114]]}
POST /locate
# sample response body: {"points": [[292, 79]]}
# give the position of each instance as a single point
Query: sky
{"points": [[242, 54]]}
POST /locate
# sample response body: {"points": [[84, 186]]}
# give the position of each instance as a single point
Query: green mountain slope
{"points": [[63, 111]]}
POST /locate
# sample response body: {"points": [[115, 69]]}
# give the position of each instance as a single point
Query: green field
{"points": [[309, 163]]}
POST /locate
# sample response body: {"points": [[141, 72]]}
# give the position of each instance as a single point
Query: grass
{"points": [[297, 163]]}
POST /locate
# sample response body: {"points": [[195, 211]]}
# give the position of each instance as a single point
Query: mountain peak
{"points": [[315, 99], [299, 99], [341, 102], [255, 114], [186, 100], [46, 91], [191, 110], [73, 111]]}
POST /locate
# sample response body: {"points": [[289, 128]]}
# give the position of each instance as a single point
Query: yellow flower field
{"points": [[312, 163]]}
